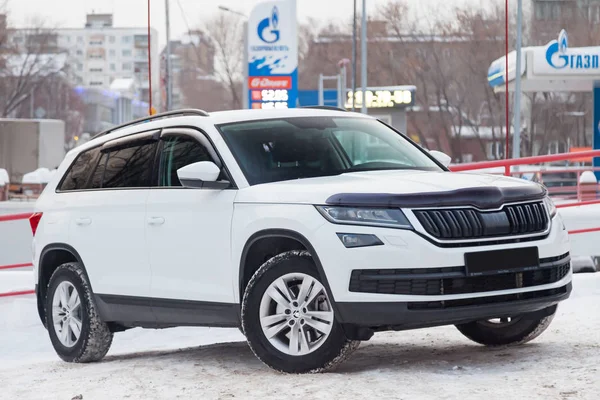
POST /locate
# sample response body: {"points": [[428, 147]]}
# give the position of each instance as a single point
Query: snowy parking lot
{"points": [[203, 363]]}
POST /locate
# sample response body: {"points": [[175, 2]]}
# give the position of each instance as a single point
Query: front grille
{"points": [[447, 281], [512, 220], [480, 301]]}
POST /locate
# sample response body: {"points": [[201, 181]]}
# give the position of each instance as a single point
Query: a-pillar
{"points": [[596, 126]]}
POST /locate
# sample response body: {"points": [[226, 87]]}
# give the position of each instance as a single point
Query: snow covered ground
{"points": [[203, 363]]}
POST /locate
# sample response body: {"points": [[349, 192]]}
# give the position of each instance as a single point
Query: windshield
{"points": [[294, 148]]}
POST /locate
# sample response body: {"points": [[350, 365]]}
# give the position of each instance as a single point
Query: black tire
{"points": [[334, 350], [518, 331], [95, 337]]}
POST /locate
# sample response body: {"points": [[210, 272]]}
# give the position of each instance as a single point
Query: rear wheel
{"points": [[288, 317], [75, 328], [507, 331]]}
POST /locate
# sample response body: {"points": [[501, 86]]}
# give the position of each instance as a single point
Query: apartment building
{"points": [[102, 53], [579, 17]]}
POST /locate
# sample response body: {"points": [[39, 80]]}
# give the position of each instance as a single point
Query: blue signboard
{"points": [[273, 55]]}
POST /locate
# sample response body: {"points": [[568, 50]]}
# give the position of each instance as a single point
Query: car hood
{"points": [[396, 188]]}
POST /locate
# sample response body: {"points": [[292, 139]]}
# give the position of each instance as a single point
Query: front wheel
{"points": [[288, 318], [507, 331]]}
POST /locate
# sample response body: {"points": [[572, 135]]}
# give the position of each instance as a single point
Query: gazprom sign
{"points": [[273, 55], [559, 59]]}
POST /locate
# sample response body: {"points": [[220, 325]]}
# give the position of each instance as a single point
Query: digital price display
{"points": [[383, 97], [270, 98], [269, 92]]}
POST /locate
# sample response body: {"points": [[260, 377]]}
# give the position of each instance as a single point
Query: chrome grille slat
{"points": [[456, 224]]}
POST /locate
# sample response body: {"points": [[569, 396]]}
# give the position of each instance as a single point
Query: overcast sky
{"points": [[127, 13]]}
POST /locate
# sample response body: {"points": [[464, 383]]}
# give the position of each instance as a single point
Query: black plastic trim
{"points": [[482, 198], [398, 316], [286, 233], [152, 312], [40, 289]]}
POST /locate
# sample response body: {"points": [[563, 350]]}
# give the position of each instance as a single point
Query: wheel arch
{"points": [[279, 234], [51, 257]]}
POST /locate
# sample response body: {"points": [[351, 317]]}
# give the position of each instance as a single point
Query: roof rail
{"points": [[166, 114], [332, 108]]}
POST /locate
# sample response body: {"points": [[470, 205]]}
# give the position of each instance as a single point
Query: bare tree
{"points": [[226, 31], [28, 59]]}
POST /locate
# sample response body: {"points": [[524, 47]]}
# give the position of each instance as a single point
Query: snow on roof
{"points": [[482, 132], [122, 84], [39, 176], [4, 179]]}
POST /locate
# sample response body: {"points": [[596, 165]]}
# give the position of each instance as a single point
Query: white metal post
{"points": [[517, 122], [245, 100], [363, 57], [169, 87], [321, 94]]}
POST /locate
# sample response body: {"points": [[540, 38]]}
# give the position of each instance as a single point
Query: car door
{"points": [[108, 226], [188, 235]]}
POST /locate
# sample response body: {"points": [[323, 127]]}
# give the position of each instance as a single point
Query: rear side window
{"points": [[128, 167], [80, 170]]}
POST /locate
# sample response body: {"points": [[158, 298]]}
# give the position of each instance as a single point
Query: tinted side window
{"points": [[80, 170], [96, 181], [129, 167], [177, 152]]}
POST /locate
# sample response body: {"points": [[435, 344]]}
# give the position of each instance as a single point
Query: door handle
{"points": [[156, 220], [83, 221]]}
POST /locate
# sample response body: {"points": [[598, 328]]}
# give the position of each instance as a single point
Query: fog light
{"points": [[358, 240]]}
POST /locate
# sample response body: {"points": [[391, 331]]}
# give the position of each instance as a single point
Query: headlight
{"points": [[386, 217], [550, 206]]}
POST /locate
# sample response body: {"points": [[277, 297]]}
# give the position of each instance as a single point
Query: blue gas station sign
{"points": [[273, 55]]}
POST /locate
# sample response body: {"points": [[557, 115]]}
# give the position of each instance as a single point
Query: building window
{"points": [[95, 69], [555, 11], [79, 39], [113, 67], [594, 13], [126, 39], [126, 53], [80, 67], [95, 56], [112, 53], [95, 43], [96, 83], [111, 39], [79, 52], [127, 66], [539, 11], [494, 150]]}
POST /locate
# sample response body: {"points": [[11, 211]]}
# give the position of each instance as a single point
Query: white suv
{"points": [[309, 229]]}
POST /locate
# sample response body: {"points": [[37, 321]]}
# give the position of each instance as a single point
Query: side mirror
{"points": [[201, 175], [443, 158]]}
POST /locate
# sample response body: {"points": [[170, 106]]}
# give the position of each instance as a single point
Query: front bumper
{"points": [[404, 249], [411, 315]]}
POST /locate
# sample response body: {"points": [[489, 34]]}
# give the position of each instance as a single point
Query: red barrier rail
{"points": [[17, 293], [581, 203], [524, 161], [8, 218], [13, 266], [14, 217]]}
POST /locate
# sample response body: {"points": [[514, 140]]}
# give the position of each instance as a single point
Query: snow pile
{"points": [[4, 179], [15, 281], [39, 176]]}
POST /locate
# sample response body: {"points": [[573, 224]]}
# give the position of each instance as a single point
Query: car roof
{"points": [[200, 118]]}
